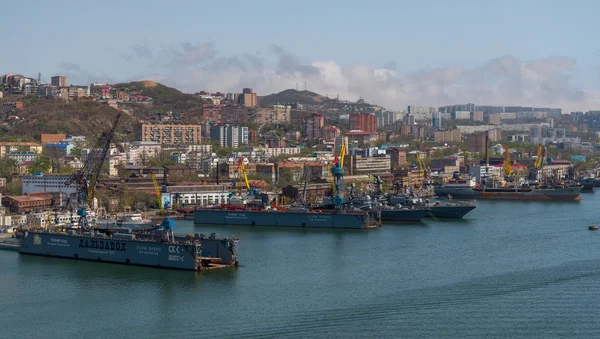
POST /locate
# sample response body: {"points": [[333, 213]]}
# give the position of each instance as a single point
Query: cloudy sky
{"points": [[394, 53]]}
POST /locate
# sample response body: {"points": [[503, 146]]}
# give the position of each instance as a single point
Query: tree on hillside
{"points": [[40, 165]]}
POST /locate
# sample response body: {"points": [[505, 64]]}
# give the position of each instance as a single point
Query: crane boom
{"points": [[244, 175], [539, 158], [87, 177], [158, 194], [342, 154], [421, 170], [507, 164]]}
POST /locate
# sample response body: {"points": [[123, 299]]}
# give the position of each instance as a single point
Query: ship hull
{"points": [[559, 194], [283, 219], [587, 185], [123, 251], [449, 212], [414, 215]]}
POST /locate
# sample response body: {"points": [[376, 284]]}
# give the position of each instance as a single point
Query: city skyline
{"points": [[393, 54]]}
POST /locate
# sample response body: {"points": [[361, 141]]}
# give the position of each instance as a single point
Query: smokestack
{"points": [[487, 155]]}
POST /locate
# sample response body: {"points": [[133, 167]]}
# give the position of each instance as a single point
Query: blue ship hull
{"points": [[181, 255], [407, 215], [285, 219], [449, 212]]}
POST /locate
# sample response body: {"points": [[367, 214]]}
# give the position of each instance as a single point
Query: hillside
{"points": [[46, 115], [165, 99], [293, 96]]}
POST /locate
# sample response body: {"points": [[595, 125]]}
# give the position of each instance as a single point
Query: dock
{"points": [[9, 246]]}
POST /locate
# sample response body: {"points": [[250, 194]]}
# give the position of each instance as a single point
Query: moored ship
{"points": [[153, 249], [511, 193]]}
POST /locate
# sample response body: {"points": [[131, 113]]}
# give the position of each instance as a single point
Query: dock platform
{"points": [[9, 246]]}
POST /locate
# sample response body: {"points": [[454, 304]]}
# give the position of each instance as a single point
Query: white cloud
{"points": [[501, 81]]}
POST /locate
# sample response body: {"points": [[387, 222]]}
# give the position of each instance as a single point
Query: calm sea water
{"points": [[512, 269]]}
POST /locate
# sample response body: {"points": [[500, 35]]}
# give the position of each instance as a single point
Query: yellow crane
{"points": [[507, 164], [342, 154], [420, 163], [158, 194], [244, 175], [540, 157]]}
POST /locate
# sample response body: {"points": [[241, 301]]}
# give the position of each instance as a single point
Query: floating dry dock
{"points": [[194, 252]]}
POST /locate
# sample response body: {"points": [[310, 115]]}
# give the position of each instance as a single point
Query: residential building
{"points": [[76, 92], [364, 122], [48, 183], [270, 115], [276, 142], [477, 116], [229, 136], [273, 152], [397, 157], [436, 120], [385, 118], [59, 81], [369, 165], [449, 136], [476, 143], [207, 148], [60, 149], [52, 138], [330, 133], [170, 134], [234, 115], [361, 138], [1, 94], [461, 115], [22, 156], [30, 89], [247, 98], [212, 113], [312, 126], [415, 131], [494, 118], [12, 105], [7, 147]]}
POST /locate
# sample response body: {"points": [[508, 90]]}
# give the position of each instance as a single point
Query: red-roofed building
{"points": [[24, 203]]}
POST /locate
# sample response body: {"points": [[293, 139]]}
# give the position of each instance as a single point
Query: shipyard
{"points": [[272, 170]]}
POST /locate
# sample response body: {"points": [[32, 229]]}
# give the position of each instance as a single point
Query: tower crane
{"points": [[86, 178]]}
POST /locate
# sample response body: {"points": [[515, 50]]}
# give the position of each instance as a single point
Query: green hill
{"points": [[292, 96], [164, 99], [46, 115]]}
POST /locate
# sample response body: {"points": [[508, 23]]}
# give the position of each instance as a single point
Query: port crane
{"points": [[249, 187], [337, 171], [158, 194], [86, 178], [507, 164]]}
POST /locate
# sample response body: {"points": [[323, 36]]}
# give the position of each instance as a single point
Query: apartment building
{"points": [[170, 134], [229, 136], [58, 81], [7, 147]]}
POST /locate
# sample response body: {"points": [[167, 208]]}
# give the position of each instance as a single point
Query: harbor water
{"points": [[510, 269]]}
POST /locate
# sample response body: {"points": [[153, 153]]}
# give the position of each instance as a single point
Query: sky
{"points": [[392, 53]]}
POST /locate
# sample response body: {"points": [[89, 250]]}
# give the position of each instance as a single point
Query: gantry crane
{"points": [[85, 178]]}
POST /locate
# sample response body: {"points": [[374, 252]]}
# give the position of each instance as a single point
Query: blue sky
{"points": [[95, 42]]}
